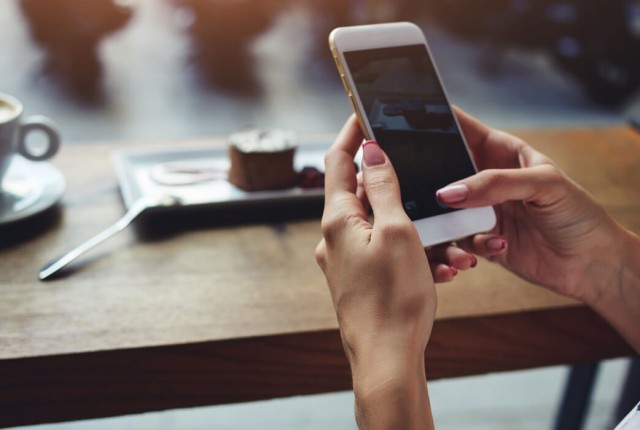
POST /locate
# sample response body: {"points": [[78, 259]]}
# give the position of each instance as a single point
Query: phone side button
{"points": [[344, 82], [353, 103]]}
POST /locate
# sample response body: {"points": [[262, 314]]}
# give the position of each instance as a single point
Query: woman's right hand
{"points": [[549, 230]]}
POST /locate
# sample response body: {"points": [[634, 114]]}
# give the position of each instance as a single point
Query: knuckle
{"points": [[551, 173], [518, 143], [493, 178], [321, 254], [336, 222], [498, 176], [330, 156], [490, 185], [379, 182], [400, 230], [551, 186]]}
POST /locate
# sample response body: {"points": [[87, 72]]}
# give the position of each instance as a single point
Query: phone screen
{"points": [[412, 121]]}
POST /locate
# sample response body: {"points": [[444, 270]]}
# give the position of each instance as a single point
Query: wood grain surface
{"points": [[225, 306]]}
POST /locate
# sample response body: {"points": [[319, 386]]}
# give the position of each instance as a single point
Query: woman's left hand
{"points": [[380, 281]]}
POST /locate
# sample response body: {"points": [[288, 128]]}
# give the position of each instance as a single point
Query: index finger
{"points": [[341, 202], [340, 170]]}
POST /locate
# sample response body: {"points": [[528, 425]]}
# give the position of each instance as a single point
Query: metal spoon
{"points": [[132, 213]]}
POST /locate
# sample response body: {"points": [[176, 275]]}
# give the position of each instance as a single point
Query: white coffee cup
{"points": [[14, 130]]}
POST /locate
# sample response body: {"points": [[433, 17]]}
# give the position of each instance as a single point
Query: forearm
{"points": [[617, 297], [391, 394]]}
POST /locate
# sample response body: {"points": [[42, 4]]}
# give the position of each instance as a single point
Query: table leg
{"points": [[577, 396], [630, 394]]}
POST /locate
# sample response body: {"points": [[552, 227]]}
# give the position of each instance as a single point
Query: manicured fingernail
{"points": [[453, 270], [453, 193], [474, 261], [497, 243], [372, 154]]}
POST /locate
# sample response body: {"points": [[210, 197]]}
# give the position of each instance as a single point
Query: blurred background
{"points": [[176, 69], [169, 70]]}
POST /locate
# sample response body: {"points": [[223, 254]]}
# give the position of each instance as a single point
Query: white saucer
{"points": [[29, 188]]}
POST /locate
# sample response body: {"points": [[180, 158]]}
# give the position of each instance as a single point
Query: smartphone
{"points": [[397, 95]]}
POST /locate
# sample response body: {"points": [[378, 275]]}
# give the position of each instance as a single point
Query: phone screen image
{"points": [[412, 121]]}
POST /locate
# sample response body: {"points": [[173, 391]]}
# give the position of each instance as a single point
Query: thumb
{"points": [[381, 184], [541, 185]]}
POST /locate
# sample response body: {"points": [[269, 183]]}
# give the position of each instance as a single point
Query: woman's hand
{"points": [[381, 285], [549, 230], [445, 260]]}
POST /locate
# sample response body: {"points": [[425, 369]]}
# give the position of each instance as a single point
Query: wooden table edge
{"points": [[119, 382]]}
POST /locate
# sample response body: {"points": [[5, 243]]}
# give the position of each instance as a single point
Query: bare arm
{"points": [[614, 290], [381, 285]]}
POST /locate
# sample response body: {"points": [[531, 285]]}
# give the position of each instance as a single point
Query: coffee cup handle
{"points": [[45, 125]]}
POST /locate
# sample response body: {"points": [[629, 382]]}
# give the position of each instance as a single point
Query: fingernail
{"points": [[474, 261], [372, 154], [497, 243], [453, 270], [453, 193]]}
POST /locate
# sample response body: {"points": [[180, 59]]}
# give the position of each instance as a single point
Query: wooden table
{"points": [[222, 308]]}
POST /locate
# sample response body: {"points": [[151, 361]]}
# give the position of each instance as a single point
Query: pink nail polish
{"points": [[372, 153], [497, 243], [453, 193], [474, 261]]}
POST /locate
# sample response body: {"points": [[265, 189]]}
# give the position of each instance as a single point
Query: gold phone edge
{"points": [[347, 88]]}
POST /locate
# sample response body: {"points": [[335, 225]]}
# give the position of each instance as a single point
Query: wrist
{"points": [[368, 342], [380, 373], [377, 356], [612, 271], [618, 299], [391, 393]]}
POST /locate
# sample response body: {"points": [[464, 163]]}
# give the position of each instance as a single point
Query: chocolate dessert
{"points": [[262, 160]]}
